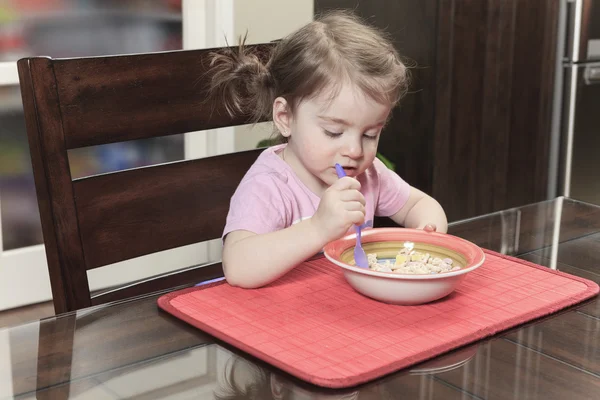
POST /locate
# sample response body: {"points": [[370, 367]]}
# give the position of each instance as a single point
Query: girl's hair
{"points": [[336, 48]]}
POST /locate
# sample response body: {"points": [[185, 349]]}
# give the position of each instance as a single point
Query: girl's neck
{"points": [[309, 180]]}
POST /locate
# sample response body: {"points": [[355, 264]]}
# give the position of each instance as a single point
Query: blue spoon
{"points": [[360, 258]]}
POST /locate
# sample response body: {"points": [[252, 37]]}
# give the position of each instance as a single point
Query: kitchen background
{"points": [[502, 112], [66, 28], [60, 28]]}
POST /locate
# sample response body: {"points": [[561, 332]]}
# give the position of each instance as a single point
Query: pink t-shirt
{"points": [[270, 197]]}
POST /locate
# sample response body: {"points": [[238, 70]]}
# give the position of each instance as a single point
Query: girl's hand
{"points": [[342, 205], [422, 211]]}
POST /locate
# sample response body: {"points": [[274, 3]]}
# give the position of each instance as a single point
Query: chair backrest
{"points": [[94, 221]]}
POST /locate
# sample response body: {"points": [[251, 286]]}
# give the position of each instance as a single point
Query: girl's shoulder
{"points": [[268, 166], [380, 167], [269, 173]]}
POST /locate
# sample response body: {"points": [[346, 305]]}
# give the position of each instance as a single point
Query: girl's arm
{"points": [[252, 260], [421, 210]]}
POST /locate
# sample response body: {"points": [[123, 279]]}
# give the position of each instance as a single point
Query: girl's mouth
{"points": [[350, 171]]}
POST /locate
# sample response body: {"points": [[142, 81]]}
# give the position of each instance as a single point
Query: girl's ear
{"points": [[282, 116]]}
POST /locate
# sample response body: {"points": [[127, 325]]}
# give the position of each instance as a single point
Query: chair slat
{"points": [[132, 213], [115, 99], [176, 280]]}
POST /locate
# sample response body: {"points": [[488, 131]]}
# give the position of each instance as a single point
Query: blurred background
{"points": [[74, 28]]}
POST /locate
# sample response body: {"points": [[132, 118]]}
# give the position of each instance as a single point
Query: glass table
{"points": [[134, 350]]}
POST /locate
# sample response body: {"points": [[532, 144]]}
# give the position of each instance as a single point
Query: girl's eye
{"points": [[372, 135], [332, 134]]}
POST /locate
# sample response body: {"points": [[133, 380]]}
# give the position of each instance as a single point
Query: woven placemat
{"points": [[313, 325]]}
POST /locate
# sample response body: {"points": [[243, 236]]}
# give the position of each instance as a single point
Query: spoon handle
{"points": [[360, 258]]}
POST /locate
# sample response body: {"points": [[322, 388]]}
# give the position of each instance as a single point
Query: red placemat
{"points": [[313, 325]]}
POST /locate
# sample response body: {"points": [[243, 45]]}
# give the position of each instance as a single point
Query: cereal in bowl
{"points": [[409, 261]]}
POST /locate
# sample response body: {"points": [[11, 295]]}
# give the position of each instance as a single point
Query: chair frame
{"points": [[95, 221]]}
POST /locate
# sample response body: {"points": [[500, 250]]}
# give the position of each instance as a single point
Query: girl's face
{"points": [[323, 132]]}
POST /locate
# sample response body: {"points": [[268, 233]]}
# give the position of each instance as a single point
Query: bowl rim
{"points": [[366, 237]]}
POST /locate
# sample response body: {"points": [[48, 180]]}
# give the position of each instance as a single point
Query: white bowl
{"points": [[405, 289]]}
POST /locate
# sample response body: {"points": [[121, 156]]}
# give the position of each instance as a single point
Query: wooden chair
{"points": [[95, 221]]}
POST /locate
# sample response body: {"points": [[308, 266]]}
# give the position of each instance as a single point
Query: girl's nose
{"points": [[353, 149]]}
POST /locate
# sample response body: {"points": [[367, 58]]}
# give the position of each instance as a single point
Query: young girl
{"points": [[330, 87]]}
